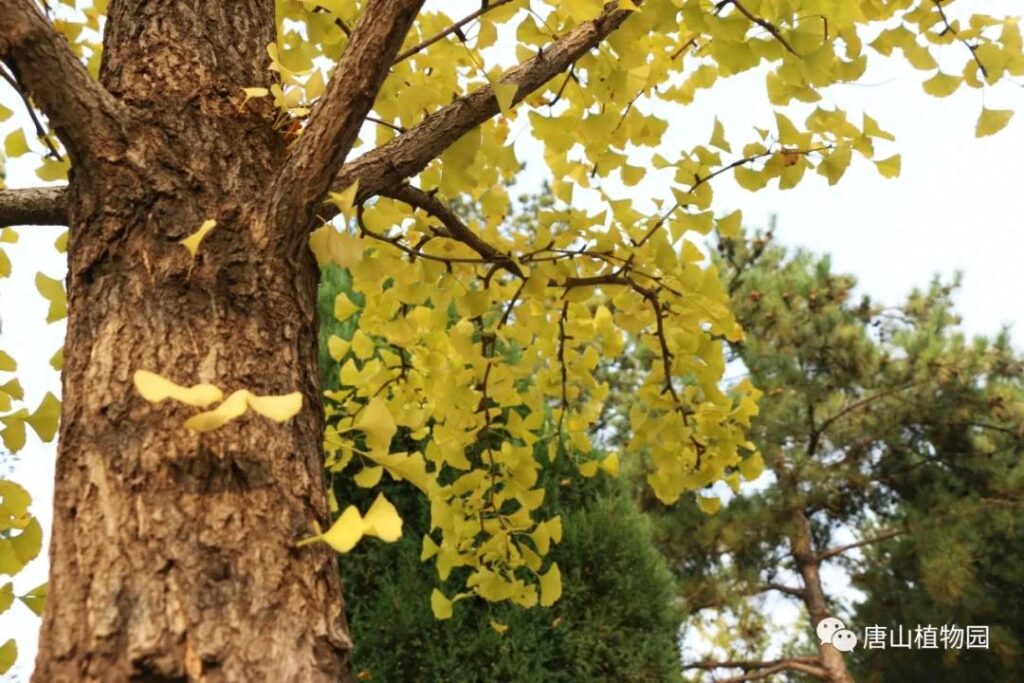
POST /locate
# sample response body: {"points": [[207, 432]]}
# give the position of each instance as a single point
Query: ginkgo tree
{"points": [[217, 152]]}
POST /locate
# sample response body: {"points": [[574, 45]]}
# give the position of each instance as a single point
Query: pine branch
{"points": [[885, 535]]}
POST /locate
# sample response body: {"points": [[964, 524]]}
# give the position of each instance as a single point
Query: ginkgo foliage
{"points": [[476, 337]]}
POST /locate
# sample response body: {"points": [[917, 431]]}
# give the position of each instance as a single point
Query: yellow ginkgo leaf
{"points": [[331, 246], [337, 347], [709, 506], [942, 85], [505, 93], [15, 144], [376, 422], [277, 408], [8, 655], [499, 627], [718, 137], [233, 406], [155, 388], [382, 520], [344, 201], [729, 226], [550, 586], [992, 121], [53, 291], [46, 417], [889, 168], [752, 467], [441, 606], [343, 307], [429, 549], [588, 469], [346, 530], [192, 241], [368, 477], [611, 464], [252, 93]]}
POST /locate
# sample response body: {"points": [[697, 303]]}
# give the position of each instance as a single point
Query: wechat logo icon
{"points": [[833, 632]]}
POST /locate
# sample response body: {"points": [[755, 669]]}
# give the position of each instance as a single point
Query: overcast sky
{"points": [[956, 206]]}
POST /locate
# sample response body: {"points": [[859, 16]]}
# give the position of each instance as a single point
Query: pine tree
{"points": [[884, 431]]}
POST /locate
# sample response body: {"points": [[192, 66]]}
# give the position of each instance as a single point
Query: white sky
{"points": [[956, 206]]}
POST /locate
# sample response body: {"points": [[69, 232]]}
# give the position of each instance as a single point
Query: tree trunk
{"points": [[173, 552], [802, 547]]}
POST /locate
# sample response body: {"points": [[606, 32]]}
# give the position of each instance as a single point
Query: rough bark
{"points": [[388, 166], [173, 553], [172, 556], [802, 548], [80, 111], [36, 206]]}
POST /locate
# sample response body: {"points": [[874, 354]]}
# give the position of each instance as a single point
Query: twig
{"points": [[949, 28], [885, 535], [763, 23], [40, 131], [454, 28]]}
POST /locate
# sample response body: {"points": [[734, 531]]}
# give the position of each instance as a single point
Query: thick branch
{"points": [[406, 155], [81, 112], [337, 117], [885, 535], [36, 206]]}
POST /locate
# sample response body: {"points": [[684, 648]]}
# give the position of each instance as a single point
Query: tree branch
{"points": [[454, 28], [406, 155], [36, 206], [82, 113], [782, 588], [754, 670], [839, 550], [36, 123], [337, 117], [456, 229]]}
